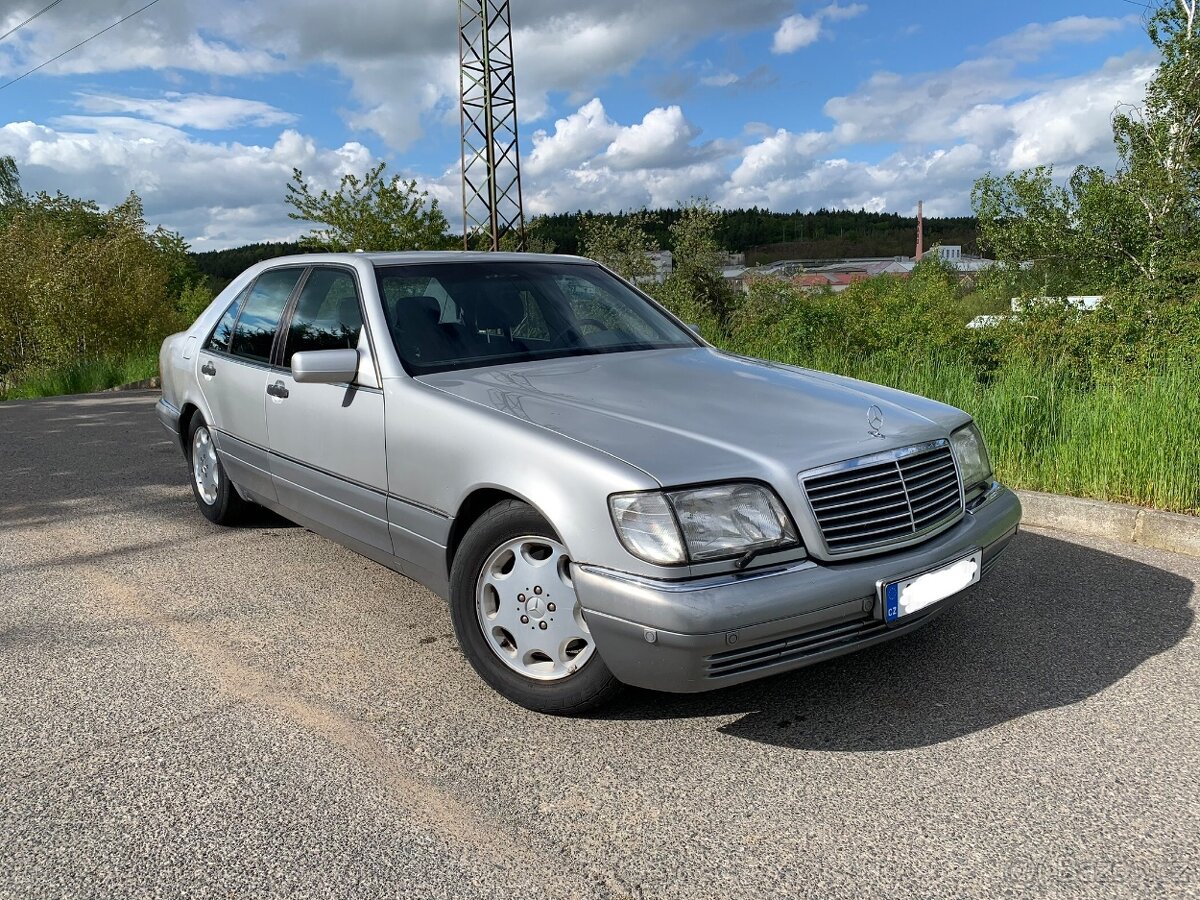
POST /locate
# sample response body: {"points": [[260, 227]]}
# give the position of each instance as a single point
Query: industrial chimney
{"points": [[920, 229]]}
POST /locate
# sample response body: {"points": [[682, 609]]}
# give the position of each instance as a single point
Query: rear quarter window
{"points": [[219, 338]]}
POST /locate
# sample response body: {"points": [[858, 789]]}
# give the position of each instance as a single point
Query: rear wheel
{"points": [[215, 494], [518, 619]]}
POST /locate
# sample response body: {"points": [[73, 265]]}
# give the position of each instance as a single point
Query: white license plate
{"points": [[911, 595]]}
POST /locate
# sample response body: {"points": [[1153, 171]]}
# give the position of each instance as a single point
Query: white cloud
{"points": [[593, 162], [217, 194], [795, 32], [952, 127], [202, 111], [661, 140], [834, 12], [941, 129], [799, 30], [576, 138], [1033, 40], [401, 66]]}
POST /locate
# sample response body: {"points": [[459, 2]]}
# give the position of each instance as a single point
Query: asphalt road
{"points": [[194, 711]]}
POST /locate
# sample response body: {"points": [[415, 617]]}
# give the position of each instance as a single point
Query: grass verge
{"points": [[85, 376], [1134, 440]]}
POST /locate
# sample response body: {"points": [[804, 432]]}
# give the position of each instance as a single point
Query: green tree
{"points": [[371, 212], [80, 283], [1142, 221], [696, 290], [619, 242]]}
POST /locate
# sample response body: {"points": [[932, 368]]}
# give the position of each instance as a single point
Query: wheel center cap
{"points": [[536, 607]]}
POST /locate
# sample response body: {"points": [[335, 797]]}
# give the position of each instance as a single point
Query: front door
{"points": [[327, 452], [234, 365]]}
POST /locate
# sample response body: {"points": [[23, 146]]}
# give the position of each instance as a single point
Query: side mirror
{"points": [[325, 366]]}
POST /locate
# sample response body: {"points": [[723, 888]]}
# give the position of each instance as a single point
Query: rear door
{"points": [[234, 366], [327, 450]]}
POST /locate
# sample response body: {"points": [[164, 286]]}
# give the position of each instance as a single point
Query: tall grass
{"points": [[1131, 440], [85, 376]]}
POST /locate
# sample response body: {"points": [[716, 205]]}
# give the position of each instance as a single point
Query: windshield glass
{"points": [[445, 316]]}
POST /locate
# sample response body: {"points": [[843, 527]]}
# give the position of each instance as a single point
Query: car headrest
{"points": [[503, 310], [423, 310]]}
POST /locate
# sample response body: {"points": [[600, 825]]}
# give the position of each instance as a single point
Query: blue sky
{"points": [[205, 108]]}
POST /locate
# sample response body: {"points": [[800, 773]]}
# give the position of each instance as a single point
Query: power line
{"points": [[45, 8], [77, 46]]}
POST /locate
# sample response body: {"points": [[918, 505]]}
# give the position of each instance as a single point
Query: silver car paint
{"points": [[690, 416], [387, 469]]}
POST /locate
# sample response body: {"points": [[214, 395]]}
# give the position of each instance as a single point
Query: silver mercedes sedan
{"points": [[602, 497]]}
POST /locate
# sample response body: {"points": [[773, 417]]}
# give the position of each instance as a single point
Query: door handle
{"points": [[208, 369], [278, 389]]}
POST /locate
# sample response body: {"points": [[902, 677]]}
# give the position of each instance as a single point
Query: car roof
{"points": [[417, 257]]}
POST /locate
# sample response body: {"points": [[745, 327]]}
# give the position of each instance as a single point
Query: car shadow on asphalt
{"points": [[1052, 624]]}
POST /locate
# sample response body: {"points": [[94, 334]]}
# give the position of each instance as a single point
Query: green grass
{"points": [[85, 376], [1133, 441]]}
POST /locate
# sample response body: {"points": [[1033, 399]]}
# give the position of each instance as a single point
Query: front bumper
{"points": [[709, 633]]}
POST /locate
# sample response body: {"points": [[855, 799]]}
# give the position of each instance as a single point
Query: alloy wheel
{"points": [[527, 608]]}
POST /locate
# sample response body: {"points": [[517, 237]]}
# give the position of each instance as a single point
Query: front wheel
{"points": [[518, 619]]}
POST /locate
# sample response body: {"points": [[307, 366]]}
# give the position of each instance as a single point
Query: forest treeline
{"points": [[764, 236]]}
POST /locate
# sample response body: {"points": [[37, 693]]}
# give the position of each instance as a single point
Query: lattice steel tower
{"points": [[491, 155]]}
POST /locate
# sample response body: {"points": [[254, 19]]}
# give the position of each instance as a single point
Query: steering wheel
{"points": [[582, 323]]}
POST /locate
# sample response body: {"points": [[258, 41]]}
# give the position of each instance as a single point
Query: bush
{"points": [[82, 285]]}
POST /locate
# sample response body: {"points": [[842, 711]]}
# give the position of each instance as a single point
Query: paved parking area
{"points": [[192, 711]]}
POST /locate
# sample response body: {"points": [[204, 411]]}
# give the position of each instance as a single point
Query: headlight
{"points": [[972, 456], [702, 524], [647, 527]]}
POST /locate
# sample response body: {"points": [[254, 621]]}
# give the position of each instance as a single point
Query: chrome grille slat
{"points": [[920, 510], [878, 482], [884, 500], [896, 505], [921, 499], [859, 500], [916, 485], [933, 514], [905, 515]]}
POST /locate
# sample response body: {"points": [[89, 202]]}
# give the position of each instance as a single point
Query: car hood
{"points": [[693, 415]]}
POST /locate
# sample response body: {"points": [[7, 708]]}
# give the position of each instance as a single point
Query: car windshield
{"points": [[445, 316]]}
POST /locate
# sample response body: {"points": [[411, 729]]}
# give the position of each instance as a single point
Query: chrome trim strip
{"points": [[351, 481], [991, 493], [874, 458], [697, 584]]}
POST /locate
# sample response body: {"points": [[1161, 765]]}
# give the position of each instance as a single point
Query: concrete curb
{"points": [[1115, 521], [144, 385]]}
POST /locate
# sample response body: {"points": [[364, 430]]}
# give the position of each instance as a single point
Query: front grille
{"points": [[886, 499], [788, 649]]}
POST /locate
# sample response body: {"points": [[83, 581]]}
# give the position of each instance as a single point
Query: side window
{"points": [[256, 326], [327, 315], [219, 339]]}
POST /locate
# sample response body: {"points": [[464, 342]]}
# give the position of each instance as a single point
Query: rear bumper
{"points": [[168, 415], [705, 634]]}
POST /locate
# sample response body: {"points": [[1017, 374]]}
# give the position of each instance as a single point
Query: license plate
{"points": [[911, 595]]}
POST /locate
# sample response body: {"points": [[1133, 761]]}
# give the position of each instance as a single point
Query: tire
{"points": [[215, 494], [521, 637]]}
